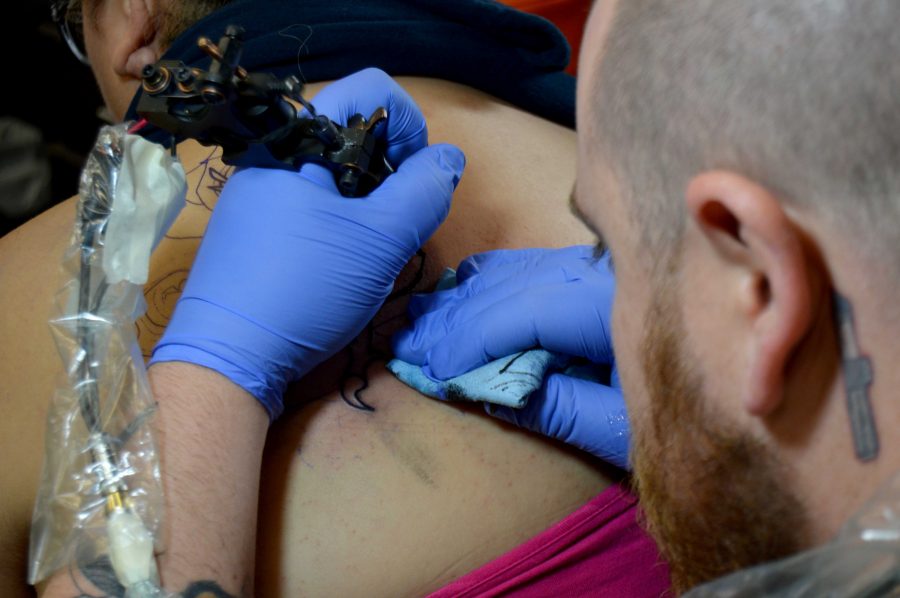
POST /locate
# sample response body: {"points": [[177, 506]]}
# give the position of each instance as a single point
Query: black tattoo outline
{"points": [[100, 573], [360, 373], [218, 175], [164, 289], [205, 589]]}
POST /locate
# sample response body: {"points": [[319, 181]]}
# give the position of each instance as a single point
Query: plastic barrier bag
{"points": [[101, 495], [863, 561]]}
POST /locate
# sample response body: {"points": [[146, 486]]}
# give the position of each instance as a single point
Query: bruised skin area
{"points": [[423, 490], [472, 489]]}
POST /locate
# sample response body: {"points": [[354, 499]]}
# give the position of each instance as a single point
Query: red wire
{"points": [[138, 126]]}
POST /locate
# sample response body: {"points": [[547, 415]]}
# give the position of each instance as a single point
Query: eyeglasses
{"points": [[67, 16]]}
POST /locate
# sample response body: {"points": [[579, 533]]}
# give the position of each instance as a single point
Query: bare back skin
{"points": [[395, 502]]}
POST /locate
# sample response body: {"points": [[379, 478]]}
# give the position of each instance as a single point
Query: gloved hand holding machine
{"points": [[100, 491]]}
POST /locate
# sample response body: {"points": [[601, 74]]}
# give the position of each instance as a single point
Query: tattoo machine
{"points": [[251, 117]]}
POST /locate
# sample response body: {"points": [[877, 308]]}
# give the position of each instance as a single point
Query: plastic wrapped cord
{"points": [[862, 562], [100, 500]]}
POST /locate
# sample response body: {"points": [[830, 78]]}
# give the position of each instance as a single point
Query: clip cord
{"points": [[95, 211]]}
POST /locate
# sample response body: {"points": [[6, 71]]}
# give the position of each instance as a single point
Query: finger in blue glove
{"points": [[366, 91], [584, 414], [513, 301]]}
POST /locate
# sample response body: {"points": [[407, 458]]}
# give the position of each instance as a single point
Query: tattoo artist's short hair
{"points": [[802, 96]]}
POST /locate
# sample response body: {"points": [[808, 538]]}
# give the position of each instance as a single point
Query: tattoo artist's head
{"points": [[741, 159], [122, 36]]}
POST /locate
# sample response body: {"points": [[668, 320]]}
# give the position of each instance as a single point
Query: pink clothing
{"points": [[599, 550]]}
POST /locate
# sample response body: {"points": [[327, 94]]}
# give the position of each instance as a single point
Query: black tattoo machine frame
{"points": [[250, 116]]}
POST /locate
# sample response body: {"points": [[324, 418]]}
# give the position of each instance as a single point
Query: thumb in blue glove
{"points": [[510, 301]]}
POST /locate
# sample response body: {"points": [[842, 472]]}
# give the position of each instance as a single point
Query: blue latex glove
{"points": [[510, 301], [289, 271]]}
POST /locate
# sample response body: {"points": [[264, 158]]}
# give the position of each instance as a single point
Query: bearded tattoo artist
{"points": [[742, 162]]}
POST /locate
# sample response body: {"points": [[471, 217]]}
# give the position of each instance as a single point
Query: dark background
{"points": [[47, 88]]}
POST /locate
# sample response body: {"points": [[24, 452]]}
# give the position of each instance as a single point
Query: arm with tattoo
{"points": [[211, 440], [97, 579]]}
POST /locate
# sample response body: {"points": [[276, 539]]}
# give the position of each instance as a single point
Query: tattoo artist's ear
{"points": [[139, 41], [746, 226]]}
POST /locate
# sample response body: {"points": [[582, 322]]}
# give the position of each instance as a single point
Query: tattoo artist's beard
{"points": [[715, 498]]}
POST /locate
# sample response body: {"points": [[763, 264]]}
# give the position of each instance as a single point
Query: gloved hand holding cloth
{"points": [[507, 302], [289, 271]]}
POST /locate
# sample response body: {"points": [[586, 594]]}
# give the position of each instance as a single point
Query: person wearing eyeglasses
{"points": [[68, 18], [420, 493]]}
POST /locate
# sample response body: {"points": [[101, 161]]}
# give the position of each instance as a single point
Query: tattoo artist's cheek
{"points": [[619, 335], [626, 333]]}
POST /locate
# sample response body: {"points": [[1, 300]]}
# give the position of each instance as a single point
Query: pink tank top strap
{"points": [[599, 550]]}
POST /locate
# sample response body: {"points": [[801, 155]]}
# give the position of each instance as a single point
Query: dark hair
{"points": [[175, 17]]}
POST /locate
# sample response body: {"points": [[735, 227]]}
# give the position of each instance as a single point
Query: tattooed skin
{"points": [[205, 589], [100, 574]]}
